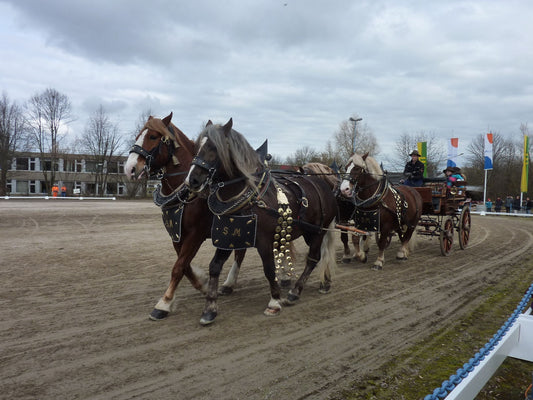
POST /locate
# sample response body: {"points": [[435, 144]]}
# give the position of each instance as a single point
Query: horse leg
{"points": [[313, 257], [215, 266], [231, 279], [186, 253], [383, 241], [269, 269], [346, 257], [361, 255], [405, 248]]}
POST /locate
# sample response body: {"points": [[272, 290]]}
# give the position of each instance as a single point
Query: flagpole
{"points": [[485, 189]]}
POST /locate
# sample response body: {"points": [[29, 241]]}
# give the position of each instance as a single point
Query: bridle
{"points": [[379, 193], [151, 158], [210, 167]]}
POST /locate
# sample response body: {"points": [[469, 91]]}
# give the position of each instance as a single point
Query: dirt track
{"points": [[79, 279]]}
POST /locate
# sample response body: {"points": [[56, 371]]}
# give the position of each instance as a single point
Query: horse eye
{"points": [[153, 137]]}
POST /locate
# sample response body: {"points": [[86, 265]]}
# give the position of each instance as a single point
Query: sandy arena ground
{"points": [[79, 278]]}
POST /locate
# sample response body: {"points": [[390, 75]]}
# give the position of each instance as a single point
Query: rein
{"points": [[381, 190]]}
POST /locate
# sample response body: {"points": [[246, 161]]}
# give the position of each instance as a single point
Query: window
{"points": [[111, 188], [69, 165], [22, 187], [22, 164], [93, 166], [112, 167], [47, 165], [33, 187]]}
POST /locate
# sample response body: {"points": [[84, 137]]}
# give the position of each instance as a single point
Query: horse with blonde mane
{"points": [[382, 207]]}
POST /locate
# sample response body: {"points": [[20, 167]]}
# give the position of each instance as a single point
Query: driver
{"points": [[414, 170]]}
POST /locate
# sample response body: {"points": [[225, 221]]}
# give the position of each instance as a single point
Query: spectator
{"points": [[508, 204], [55, 190], [63, 191], [516, 205], [498, 205], [529, 204], [488, 205]]}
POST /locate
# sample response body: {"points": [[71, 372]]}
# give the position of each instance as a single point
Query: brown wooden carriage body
{"points": [[445, 210]]}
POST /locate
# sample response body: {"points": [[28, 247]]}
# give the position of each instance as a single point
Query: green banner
{"points": [[423, 150], [525, 166]]}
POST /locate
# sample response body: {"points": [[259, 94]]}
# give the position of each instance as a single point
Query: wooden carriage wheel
{"points": [[464, 227], [446, 237]]}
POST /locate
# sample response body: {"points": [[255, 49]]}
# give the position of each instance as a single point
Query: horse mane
{"points": [[236, 155], [322, 170], [371, 164], [174, 134]]}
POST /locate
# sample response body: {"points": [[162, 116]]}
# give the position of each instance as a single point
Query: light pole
{"points": [[354, 129]]}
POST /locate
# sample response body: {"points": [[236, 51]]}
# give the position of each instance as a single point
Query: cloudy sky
{"points": [[287, 70]]}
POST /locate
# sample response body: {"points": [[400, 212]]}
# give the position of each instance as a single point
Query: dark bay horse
{"points": [[391, 208], [346, 207], [162, 150], [254, 208]]}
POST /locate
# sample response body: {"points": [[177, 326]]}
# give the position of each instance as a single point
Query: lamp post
{"points": [[354, 129]]}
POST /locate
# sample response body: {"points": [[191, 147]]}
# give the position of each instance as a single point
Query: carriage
{"points": [[445, 209]]}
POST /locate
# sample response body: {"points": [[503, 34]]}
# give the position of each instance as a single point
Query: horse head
{"points": [[361, 171], [222, 153], [159, 147]]}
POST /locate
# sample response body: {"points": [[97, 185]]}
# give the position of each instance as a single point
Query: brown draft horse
{"points": [[274, 210], [346, 206], [162, 150], [393, 209]]}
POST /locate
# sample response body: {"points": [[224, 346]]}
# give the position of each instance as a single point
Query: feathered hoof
{"points": [[225, 290], [158, 315], [292, 298], [285, 283], [272, 312], [324, 288], [346, 260], [401, 258], [364, 260], [208, 318], [376, 267]]}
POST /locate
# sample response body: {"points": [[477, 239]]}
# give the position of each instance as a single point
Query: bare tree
{"points": [[303, 155], [350, 132], [47, 113], [436, 155], [12, 136], [340, 147], [101, 139]]}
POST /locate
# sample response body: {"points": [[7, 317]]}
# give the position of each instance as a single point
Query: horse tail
{"points": [[412, 242], [327, 266]]}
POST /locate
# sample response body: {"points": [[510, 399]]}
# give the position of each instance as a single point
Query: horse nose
{"points": [[194, 182]]}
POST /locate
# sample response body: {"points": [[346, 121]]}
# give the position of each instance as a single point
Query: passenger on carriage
{"points": [[414, 171], [453, 175]]}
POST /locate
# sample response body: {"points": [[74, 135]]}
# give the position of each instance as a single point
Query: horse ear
{"points": [[167, 119], [228, 126], [209, 123], [150, 117], [365, 156]]}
